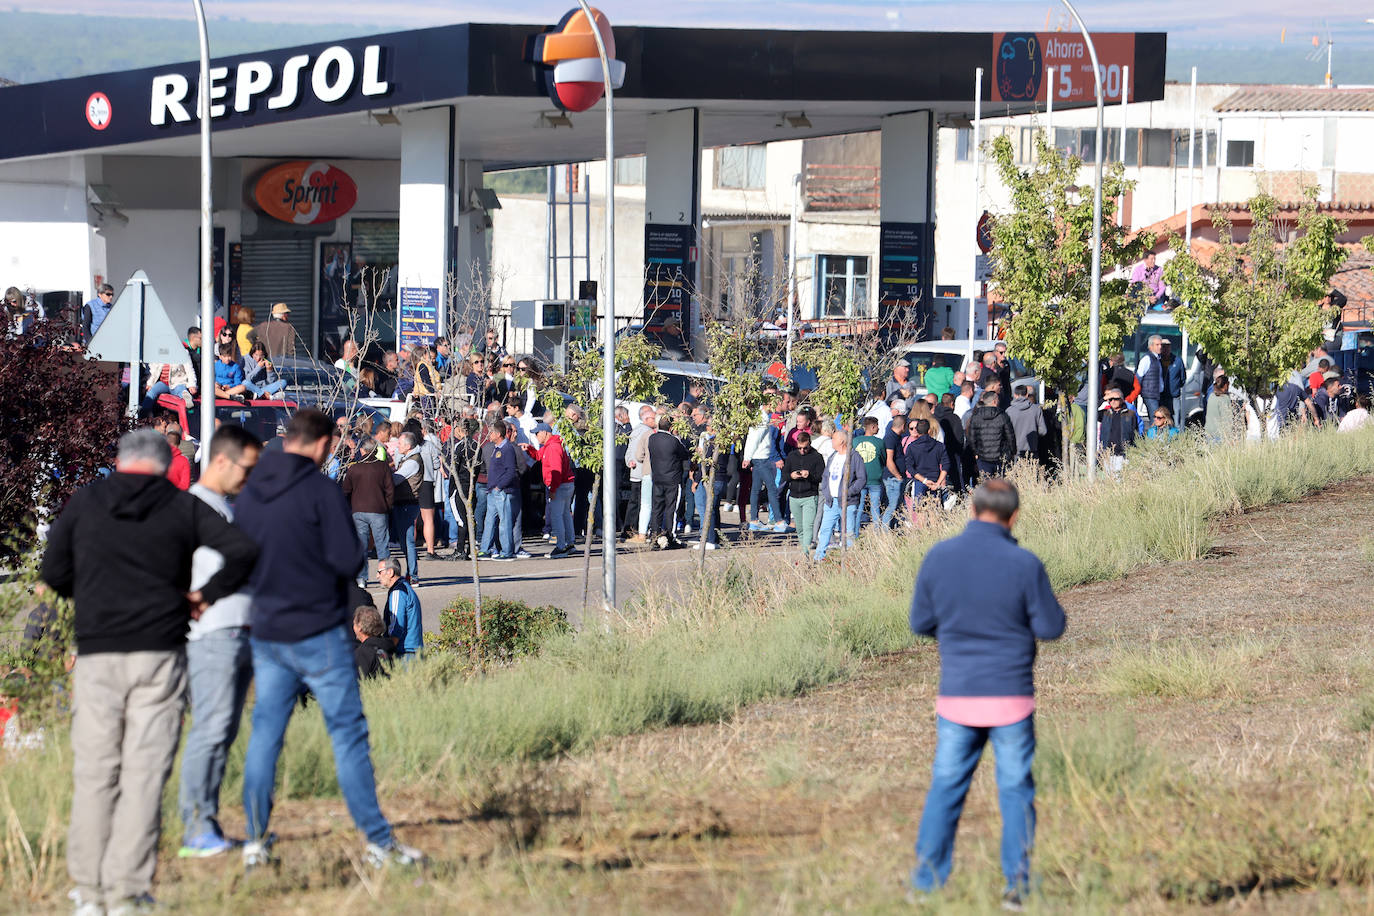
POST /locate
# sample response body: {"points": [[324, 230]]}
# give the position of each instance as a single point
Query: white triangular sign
{"points": [[116, 340]]}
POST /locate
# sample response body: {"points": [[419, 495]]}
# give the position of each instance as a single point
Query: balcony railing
{"points": [[840, 187]]}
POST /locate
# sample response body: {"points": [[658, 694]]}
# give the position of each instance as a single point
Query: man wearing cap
{"points": [[276, 333], [900, 373], [560, 479]]}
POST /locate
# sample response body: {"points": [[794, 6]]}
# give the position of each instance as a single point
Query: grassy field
{"points": [[1203, 732]]}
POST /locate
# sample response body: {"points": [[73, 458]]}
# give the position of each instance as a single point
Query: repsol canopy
{"points": [[299, 101]]}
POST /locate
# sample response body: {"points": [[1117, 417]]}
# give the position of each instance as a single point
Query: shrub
{"points": [[509, 628], [1177, 670]]}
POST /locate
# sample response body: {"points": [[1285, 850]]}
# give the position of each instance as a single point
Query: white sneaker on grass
{"points": [[397, 854], [83, 905], [257, 853]]}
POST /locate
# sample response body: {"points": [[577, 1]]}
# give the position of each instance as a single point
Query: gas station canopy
{"points": [[748, 85]]}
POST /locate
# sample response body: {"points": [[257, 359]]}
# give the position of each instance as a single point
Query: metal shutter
{"points": [[282, 270]]}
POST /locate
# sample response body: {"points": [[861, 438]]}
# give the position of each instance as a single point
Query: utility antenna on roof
{"points": [[1317, 51]]}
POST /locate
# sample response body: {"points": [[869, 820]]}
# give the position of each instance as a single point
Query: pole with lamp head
{"points": [[1095, 306], [610, 481], [207, 279], [792, 262]]}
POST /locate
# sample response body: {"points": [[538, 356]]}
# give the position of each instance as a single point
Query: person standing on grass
{"points": [[869, 447], [804, 471], [403, 620], [991, 436], [133, 605], [840, 489], [668, 458], [301, 633], [219, 660], [1116, 429], [987, 694]]}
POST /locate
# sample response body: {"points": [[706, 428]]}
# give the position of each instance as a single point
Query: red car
{"points": [[264, 419]]}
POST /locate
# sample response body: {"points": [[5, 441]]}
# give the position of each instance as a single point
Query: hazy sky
{"points": [[1252, 22]]}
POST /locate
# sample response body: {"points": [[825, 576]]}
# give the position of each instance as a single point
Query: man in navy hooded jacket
{"points": [[986, 601], [301, 631]]}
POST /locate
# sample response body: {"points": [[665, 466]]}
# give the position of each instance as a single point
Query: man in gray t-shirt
{"points": [[219, 660]]}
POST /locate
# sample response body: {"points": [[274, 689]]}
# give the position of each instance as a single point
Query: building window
{"points": [[742, 167], [1025, 150], [843, 290], [1181, 148], [1240, 154], [630, 170], [1156, 148], [963, 144]]}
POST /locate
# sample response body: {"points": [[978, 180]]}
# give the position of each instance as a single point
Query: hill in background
{"points": [[44, 46]]}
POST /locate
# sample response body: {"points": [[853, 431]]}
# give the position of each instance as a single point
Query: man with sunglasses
{"points": [[492, 348], [1117, 429], [93, 313]]}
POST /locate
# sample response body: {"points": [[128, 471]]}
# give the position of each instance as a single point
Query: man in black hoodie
{"points": [[302, 635], [133, 609], [991, 436]]}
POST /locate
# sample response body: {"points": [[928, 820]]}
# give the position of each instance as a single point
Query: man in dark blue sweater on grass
{"points": [[301, 632], [987, 627]]}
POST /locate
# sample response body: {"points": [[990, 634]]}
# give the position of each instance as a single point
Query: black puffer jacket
{"points": [[990, 434]]}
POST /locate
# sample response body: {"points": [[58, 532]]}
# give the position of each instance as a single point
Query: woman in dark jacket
{"points": [[804, 472]]}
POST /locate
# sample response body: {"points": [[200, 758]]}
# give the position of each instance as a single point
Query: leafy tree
{"points": [[840, 386], [57, 432], [636, 380], [1042, 264], [735, 398], [1257, 308]]}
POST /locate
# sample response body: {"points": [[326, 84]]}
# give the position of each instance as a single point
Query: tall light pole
{"points": [[977, 194], [610, 481], [1095, 303], [207, 229], [792, 259]]}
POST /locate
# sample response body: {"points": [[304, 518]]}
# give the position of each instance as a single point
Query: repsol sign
{"points": [[330, 76]]}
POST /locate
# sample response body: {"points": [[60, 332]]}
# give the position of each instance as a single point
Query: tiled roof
{"points": [[1358, 212], [1356, 280], [1297, 98]]}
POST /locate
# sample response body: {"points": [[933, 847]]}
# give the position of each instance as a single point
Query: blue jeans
{"points": [[270, 388], [324, 663], [374, 522], [159, 389], [448, 489], [766, 476], [560, 516], [957, 750], [220, 667], [892, 488], [830, 521], [498, 522], [403, 519], [479, 512], [870, 504]]}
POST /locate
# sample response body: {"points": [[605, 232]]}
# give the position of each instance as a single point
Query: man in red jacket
{"points": [[559, 477]]}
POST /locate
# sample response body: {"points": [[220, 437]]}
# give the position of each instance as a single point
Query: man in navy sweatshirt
{"points": [[301, 632], [987, 637]]}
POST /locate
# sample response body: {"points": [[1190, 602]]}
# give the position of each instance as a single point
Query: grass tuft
{"points": [[1175, 670]]}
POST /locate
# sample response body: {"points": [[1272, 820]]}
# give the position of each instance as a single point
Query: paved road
{"points": [[559, 582]]}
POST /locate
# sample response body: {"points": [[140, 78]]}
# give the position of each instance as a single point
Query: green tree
{"points": [[636, 380], [1257, 308], [1042, 264], [841, 389], [735, 397]]}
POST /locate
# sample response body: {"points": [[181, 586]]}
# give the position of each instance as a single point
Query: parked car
{"points": [[264, 419]]}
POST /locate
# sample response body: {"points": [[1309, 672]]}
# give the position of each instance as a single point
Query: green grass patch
{"points": [[1176, 670]]}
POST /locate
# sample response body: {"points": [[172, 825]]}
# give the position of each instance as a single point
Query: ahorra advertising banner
{"points": [[1021, 61]]}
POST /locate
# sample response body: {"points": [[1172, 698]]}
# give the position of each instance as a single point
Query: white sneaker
{"points": [[703, 545], [686, 530], [85, 906], [257, 853], [395, 854]]}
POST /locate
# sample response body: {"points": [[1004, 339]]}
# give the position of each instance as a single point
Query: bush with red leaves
{"points": [[60, 419]]}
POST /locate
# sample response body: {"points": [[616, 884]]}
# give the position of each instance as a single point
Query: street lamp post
{"points": [[207, 279], [609, 479], [1094, 322]]}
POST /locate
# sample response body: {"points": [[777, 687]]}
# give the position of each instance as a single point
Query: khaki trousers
{"points": [[126, 721]]}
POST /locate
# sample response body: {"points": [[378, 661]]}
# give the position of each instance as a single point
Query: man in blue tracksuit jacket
{"points": [[301, 631], [986, 601]]}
